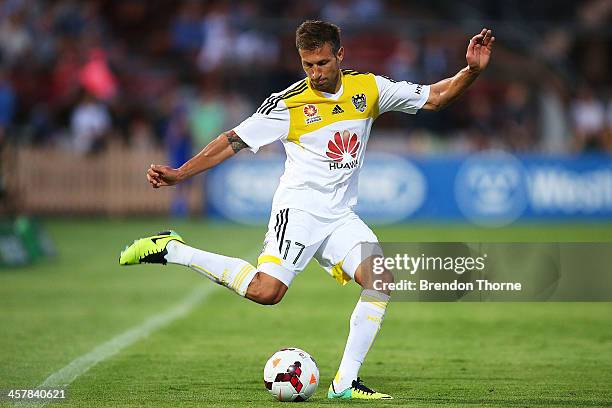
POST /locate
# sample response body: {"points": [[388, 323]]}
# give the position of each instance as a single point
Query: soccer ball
{"points": [[291, 374]]}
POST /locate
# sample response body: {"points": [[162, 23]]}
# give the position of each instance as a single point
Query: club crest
{"points": [[359, 100]]}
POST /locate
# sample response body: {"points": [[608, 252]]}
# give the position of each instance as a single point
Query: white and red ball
{"points": [[291, 374]]}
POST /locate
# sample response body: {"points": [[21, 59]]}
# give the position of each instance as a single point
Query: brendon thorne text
{"points": [[425, 285]]}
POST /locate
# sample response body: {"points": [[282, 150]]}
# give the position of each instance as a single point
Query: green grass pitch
{"points": [[428, 354]]}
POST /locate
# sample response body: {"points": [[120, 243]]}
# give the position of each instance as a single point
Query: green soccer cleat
{"points": [[357, 391], [149, 250]]}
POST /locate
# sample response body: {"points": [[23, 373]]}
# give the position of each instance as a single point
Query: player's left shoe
{"points": [[149, 250], [357, 391]]}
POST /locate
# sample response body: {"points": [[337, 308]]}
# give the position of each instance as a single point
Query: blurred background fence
{"points": [[54, 181]]}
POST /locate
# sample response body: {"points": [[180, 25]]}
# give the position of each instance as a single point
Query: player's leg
{"points": [[282, 258], [348, 254], [266, 289], [233, 273], [365, 324]]}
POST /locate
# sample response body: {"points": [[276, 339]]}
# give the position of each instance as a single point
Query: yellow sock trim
{"points": [[244, 272], [216, 279], [374, 301], [237, 278]]}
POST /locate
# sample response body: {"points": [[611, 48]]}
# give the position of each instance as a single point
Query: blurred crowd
{"points": [[85, 74]]}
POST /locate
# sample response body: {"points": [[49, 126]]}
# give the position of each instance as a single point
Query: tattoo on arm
{"points": [[235, 141]]}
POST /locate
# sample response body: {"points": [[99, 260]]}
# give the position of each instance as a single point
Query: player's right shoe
{"points": [[149, 250], [357, 390]]}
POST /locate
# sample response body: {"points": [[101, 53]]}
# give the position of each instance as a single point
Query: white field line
{"points": [[65, 376]]}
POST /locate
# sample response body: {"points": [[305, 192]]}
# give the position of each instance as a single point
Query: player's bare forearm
{"points": [[222, 148], [443, 93]]}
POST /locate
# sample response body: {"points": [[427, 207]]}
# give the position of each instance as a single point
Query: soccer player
{"points": [[324, 123]]}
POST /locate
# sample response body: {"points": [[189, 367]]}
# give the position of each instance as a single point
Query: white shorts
{"points": [[294, 237]]}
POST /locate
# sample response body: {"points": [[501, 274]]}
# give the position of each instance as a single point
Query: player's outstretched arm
{"points": [[442, 93], [222, 148]]}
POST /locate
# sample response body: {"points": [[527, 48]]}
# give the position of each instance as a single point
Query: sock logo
{"points": [[375, 319]]}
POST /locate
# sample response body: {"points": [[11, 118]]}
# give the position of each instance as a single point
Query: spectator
{"points": [[141, 134], [588, 117], [96, 77], [178, 142], [207, 116], [15, 40], [402, 65], [186, 29], [517, 117], [51, 50], [90, 123], [7, 105], [217, 46]]}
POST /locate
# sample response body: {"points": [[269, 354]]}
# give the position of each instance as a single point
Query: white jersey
{"points": [[325, 137]]}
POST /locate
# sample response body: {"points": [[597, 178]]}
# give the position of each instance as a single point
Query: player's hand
{"points": [[479, 50], [160, 176]]}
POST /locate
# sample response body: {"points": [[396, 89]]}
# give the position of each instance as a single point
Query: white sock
{"points": [[233, 273], [365, 324]]}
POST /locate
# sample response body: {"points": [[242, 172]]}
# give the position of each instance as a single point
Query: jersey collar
{"points": [[334, 96]]}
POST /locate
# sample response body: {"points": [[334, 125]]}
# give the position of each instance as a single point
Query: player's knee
{"points": [[270, 296], [368, 276], [385, 276], [380, 282], [266, 290], [274, 297]]}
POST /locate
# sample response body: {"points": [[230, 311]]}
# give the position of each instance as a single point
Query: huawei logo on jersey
{"points": [[343, 150]]}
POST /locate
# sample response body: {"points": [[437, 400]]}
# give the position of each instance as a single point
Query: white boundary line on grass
{"points": [[63, 377]]}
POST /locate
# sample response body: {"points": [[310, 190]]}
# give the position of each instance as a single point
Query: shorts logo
{"points": [[343, 149], [312, 114], [359, 100]]}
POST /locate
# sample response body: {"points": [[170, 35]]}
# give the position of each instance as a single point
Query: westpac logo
{"points": [[491, 189], [343, 149], [572, 190]]}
